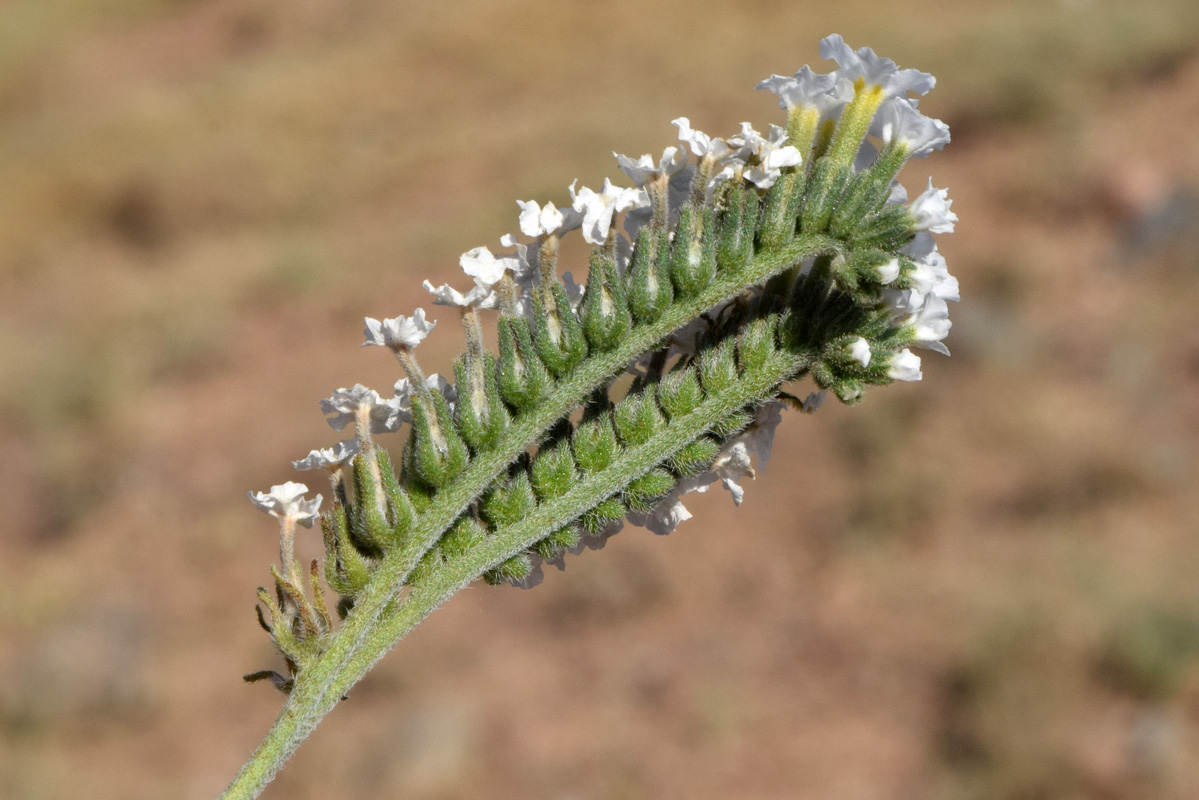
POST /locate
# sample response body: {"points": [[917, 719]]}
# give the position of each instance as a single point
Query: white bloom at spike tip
{"points": [[859, 351], [872, 70], [643, 169], [897, 121], [930, 211], [905, 366], [598, 208], [285, 502], [807, 89], [398, 331], [328, 457]]}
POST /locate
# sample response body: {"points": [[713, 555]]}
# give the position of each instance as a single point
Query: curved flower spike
{"points": [[328, 457], [874, 71], [398, 331], [285, 502]]}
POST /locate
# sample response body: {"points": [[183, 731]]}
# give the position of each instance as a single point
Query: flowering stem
{"points": [[381, 616], [325, 681]]}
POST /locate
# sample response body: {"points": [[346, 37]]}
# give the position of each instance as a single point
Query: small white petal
{"points": [[905, 366], [930, 211], [860, 351], [398, 331], [328, 457]]}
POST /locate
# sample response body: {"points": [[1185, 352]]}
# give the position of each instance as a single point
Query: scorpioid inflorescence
{"points": [[729, 268]]}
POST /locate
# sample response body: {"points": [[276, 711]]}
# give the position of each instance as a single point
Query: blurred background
{"points": [[984, 586]]}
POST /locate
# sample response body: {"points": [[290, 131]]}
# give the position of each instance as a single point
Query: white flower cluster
{"points": [[508, 279], [286, 503], [896, 123]]}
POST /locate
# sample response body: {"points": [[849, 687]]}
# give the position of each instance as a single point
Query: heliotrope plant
{"points": [[730, 268]]}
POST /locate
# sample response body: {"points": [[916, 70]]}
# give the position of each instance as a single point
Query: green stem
{"points": [[360, 642]]}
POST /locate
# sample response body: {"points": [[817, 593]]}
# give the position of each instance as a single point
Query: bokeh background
{"points": [[984, 586]]}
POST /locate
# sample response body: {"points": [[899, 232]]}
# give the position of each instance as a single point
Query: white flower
{"points": [[391, 413], [897, 121], [643, 169], [731, 466], [537, 220], [931, 324], [888, 272], [860, 351], [398, 331], [701, 144], [930, 211], [446, 295], [773, 153], [678, 193], [905, 366], [286, 502], [359, 404], [329, 457], [931, 275], [813, 401], [807, 89], [598, 209], [525, 262], [874, 71], [484, 268]]}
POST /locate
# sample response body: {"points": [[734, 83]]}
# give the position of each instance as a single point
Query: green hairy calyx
{"points": [[711, 285]]}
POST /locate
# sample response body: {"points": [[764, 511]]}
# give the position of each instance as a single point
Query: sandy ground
{"points": [[981, 586]]}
